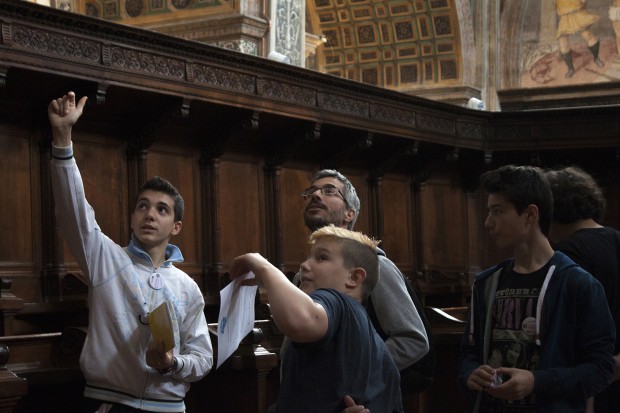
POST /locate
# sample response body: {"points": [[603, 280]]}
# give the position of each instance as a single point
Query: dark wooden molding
{"points": [[92, 50]]}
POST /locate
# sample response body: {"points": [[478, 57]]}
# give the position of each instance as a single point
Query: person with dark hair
{"points": [[159, 184], [540, 299], [576, 229], [126, 370], [335, 350]]}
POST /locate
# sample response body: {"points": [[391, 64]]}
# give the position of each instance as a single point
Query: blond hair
{"points": [[357, 249]]}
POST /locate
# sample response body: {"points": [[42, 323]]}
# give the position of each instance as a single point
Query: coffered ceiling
{"points": [[402, 45], [392, 43]]}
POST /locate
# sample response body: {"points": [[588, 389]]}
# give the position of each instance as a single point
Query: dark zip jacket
{"points": [[575, 332]]}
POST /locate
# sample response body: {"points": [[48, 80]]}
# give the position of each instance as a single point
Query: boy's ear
{"points": [[177, 228], [356, 278], [532, 212]]}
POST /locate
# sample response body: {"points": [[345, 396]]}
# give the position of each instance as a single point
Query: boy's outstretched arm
{"points": [[295, 313], [63, 113]]}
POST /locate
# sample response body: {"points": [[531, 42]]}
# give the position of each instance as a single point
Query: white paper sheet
{"points": [[236, 317]]}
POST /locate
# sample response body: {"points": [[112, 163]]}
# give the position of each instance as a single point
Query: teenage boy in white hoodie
{"points": [[125, 370]]}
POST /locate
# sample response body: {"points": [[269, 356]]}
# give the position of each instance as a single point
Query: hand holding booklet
{"points": [[160, 321]]}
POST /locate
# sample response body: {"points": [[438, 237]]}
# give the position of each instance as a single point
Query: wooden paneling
{"points": [[180, 167], [443, 245], [295, 234], [104, 173], [397, 221], [19, 211], [16, 208], [443, 212], [242, 212]]}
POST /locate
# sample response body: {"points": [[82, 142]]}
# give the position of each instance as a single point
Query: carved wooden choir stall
{"points": [[240, 136]]}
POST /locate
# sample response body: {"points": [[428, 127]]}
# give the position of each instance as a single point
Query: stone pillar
{"points": [[486, 23], [288, 28], [312, 43]]}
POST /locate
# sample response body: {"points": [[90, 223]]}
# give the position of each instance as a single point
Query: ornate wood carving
{"points": [[287, 92], [222, 78], [392, 114], [343, 104]]}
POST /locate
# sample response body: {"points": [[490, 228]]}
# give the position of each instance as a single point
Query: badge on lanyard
{"points": [[156, 281]]}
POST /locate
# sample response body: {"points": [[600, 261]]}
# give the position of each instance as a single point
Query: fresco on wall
{"points": [[570, 42]]}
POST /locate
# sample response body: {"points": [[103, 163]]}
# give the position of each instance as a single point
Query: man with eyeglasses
{"points": [[332, 199]]}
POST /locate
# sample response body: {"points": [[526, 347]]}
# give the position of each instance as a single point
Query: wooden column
{"points": [[210, 169], [136, 169], [52, 267], [273, 208]]}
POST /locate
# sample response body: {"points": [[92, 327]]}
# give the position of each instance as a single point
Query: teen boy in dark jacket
{"points": [[540, 303]]}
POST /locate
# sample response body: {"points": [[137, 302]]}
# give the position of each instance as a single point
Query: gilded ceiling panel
{"points": [[396, 44]]}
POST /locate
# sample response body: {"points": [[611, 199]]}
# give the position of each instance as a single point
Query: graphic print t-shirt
{"points": [[513, 341]]}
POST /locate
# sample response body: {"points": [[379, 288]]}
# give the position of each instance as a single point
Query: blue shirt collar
{"points": [[173, 253]]}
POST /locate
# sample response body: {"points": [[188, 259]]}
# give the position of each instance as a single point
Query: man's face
{"points": [[152, 220], [505, 225], [324, 268], [322, 210]]}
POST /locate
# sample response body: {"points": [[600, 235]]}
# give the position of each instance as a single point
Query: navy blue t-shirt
{"points": [[351, 359]]}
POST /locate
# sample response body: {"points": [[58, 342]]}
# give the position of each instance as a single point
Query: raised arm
{"points": [[74, 215], [63, 113], [295, 313]]}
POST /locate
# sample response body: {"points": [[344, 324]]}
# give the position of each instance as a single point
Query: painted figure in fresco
{"points": [[573, 19], [64, 5], [614, 16]]}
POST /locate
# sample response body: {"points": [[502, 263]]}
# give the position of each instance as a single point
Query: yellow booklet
{"points": [[160, 321]]}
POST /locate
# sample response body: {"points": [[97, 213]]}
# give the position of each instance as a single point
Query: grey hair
{"points": [[349, 193]]}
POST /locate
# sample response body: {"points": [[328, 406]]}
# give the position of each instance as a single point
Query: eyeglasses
{"points": [[329, 190]]}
